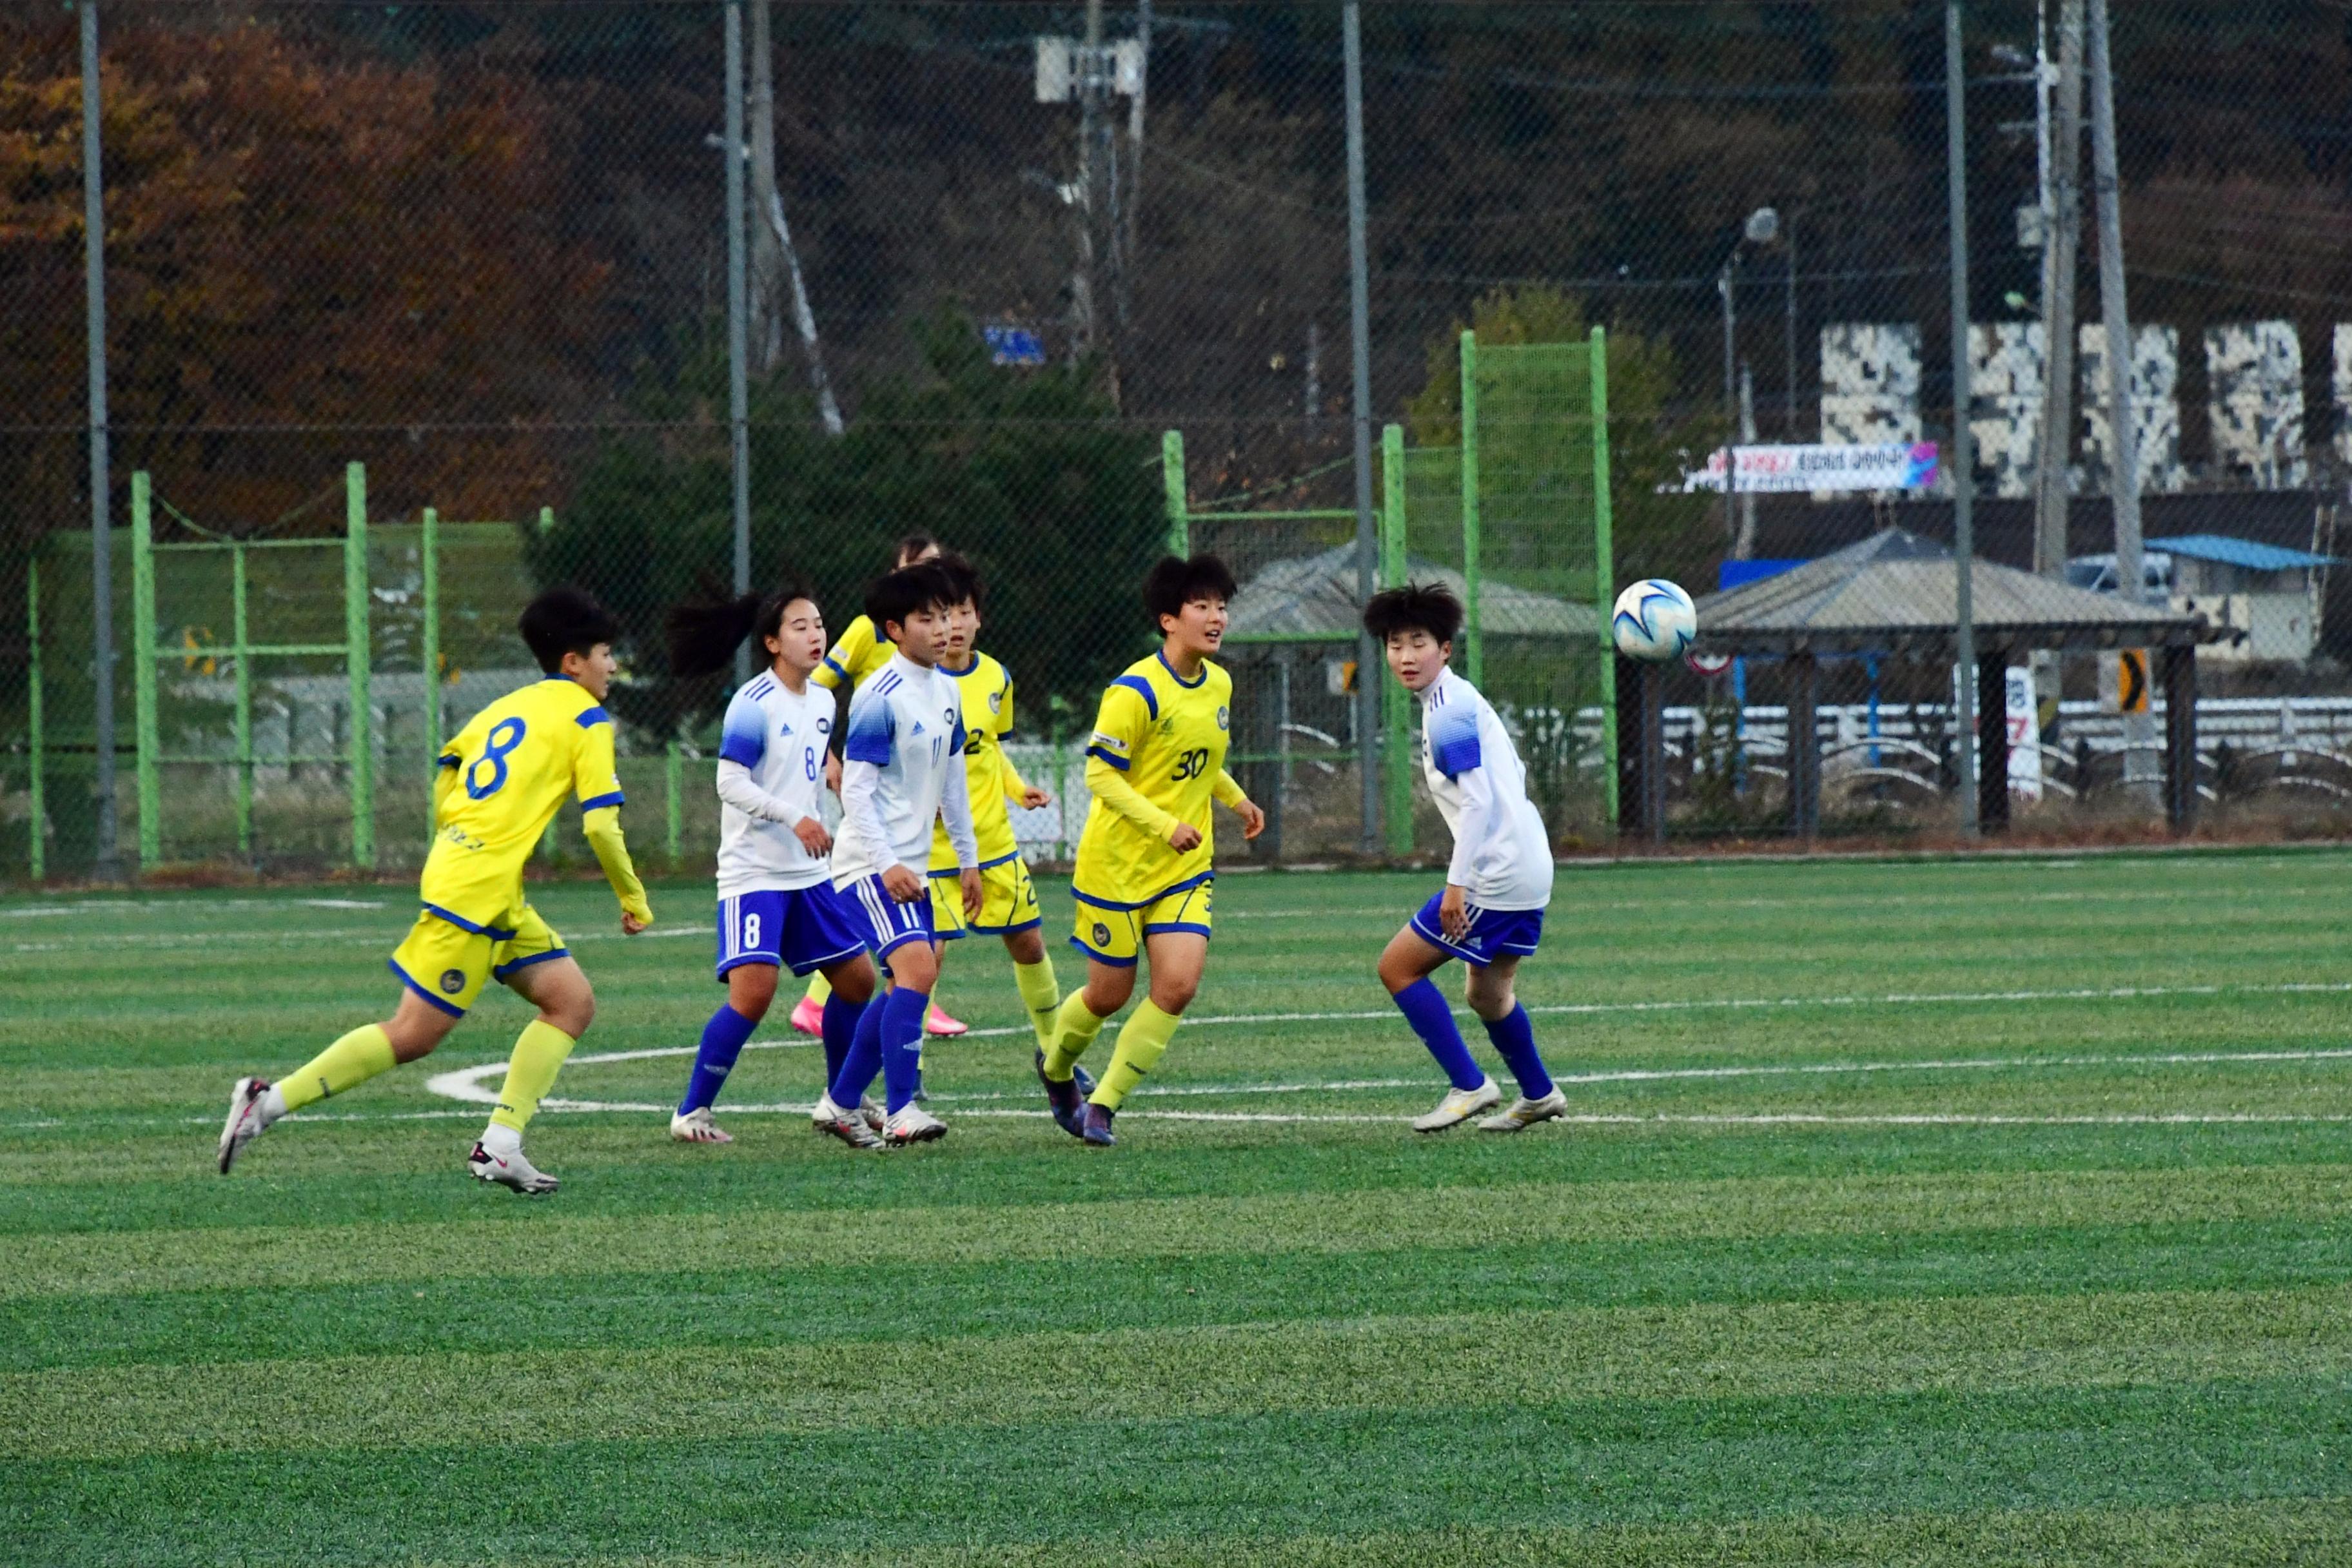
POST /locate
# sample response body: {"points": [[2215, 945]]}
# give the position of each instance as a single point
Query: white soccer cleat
{"points": [[1459, 1106], [510, 1170], [245, 1121], [848, 1126], [696, 1126], [912, 1125], [1525, 1113], [870, 1111]]}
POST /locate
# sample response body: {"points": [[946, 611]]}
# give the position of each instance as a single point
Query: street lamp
{"points": [[1762, 227]]}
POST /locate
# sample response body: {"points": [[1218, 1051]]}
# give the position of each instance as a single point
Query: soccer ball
{"points": [[1655, 621]]}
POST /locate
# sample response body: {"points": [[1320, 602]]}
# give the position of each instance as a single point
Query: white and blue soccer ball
{"points": [[1655, 621]]}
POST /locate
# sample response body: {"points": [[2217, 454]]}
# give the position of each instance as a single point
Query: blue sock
{"points": [[863, 1058], [1425, 1008], [1515, 1039], [840, 1030], [722, 1042], [902, 1046]]}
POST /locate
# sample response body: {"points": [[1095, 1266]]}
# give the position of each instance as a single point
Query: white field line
{"points": [[469, 1084], [1721, 1004]]}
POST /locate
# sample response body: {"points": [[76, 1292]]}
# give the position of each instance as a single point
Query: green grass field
{"points": [[1951, 1213]]}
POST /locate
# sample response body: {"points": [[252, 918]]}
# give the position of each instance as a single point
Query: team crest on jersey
{"points": [[824, 726], [1102, 934], [453, 981], [996, 702], [1224, 718]]}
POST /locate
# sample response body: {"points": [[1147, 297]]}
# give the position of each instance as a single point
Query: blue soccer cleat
{"points": [[1096, 1128], [1066, 1100]]}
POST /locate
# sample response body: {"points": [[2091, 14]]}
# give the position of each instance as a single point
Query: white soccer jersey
{"points": [[1502, 856], [777, 739], [902, 770]]}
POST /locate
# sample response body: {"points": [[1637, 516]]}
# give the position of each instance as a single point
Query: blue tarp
{"points": [[2242, 553], [1734, 574]]}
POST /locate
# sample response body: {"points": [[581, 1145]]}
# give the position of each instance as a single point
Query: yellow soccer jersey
{"points": [[856, 654], [515, 762], [1165, 740], [984, 691]]}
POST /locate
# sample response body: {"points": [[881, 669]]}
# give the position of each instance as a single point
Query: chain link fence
{"points": [[1061, 305]]}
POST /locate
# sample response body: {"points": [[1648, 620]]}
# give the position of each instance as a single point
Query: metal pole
{"points": [[1604, 572], [357, 656], [1395, 712], [242, 628], [1359, 298], [143, 675], [108, 865], [2123, 482], [1963, 468], [2050, 484], [1171, 482], [429, 557], [739, 392], [1789, 343], [36, 840], [1473, 654], [1730, 397]]}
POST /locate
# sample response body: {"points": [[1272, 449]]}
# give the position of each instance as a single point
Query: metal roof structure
{"points": [[1312, 598], [1897, 593], [2250, 554]]}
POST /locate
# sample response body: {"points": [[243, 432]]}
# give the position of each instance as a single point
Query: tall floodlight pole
{"points": [[1963, 470], [2123, 432], [101, 560], [1360, 302], [739, 311]]}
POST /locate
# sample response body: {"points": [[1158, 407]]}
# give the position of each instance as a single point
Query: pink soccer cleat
{"points": [[808, 1016], [937, 1023]]}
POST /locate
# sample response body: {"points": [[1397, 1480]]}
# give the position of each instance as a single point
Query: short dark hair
{"points": [[564, 620], [1175, 583], [1417, 606], [963, 573], [911, 548], [895, 595]]}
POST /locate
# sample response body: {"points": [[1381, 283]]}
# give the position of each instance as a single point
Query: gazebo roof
{"points": [[1896, 591], [1313, 598]]}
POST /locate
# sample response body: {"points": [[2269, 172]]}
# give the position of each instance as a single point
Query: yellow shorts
{"points": [[1008, 902], [1113, 933], [447, 964]]}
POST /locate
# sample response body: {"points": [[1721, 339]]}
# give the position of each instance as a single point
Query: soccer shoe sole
{"points": [[243, 1107], [1430, 1122], [537, 1184], [930, 1134], [699, 1133], [1548, 1108], [850, 1131]]}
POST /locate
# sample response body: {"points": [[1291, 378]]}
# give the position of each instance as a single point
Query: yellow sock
{"points": [[1140, 1046], [819, 988], [1074, 1028], [539, 1054], [1041, 994], [348, 1063]]}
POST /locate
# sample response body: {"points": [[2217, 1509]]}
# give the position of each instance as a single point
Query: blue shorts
{"points": [[1492, 934], [805, 928], [883, 922]]}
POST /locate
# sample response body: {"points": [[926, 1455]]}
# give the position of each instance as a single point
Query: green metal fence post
{"points": [[1171, 476], [1605, 569], [142, 641], [674, 782], [244, 702], [1396, 723], [428, 545], [36, 845], [355, 656], [1473, 638]]}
